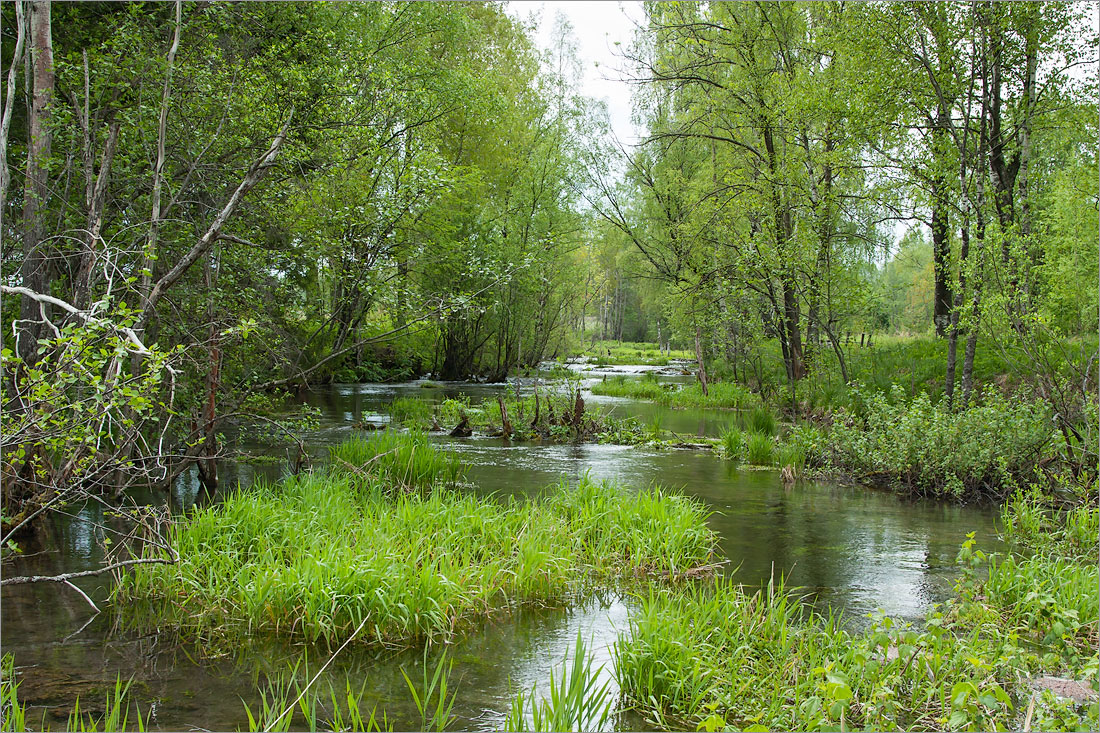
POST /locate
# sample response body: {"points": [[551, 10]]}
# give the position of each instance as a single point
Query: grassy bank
{"points": [[716, 657], [317, 556]]}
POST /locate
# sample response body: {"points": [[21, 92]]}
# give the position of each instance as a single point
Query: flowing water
{"points": [[851, 549]]}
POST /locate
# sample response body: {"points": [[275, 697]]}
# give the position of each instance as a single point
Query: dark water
{"points": [[851, 549]]}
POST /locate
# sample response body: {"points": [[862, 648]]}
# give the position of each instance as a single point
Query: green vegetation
{"points": [[403, 461], [720, 394], [577, 701], [715, 656], [927, 449], [407, 566], [115, 716], [607, 353]]}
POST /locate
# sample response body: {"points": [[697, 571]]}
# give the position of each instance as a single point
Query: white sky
{"points": [[597, 26]]}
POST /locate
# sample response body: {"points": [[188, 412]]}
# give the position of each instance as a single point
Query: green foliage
{"points": [[716, 657], [13, 715], [577, 701], [721, 394], [272, 559], [405, 460], [1031, 520], [410, 410], [732, 443], [760, 449], [925, 449], [760, 420]]}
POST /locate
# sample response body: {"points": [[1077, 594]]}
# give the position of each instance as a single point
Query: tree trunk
{"points": [[35, 268], [941, 240], [9, 103], [702, 363]]}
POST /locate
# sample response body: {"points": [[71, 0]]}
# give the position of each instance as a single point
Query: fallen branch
{"points": [[66, 577]]}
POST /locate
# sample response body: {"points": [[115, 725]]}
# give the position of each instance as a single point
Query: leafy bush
{"points": [[926, 449]]}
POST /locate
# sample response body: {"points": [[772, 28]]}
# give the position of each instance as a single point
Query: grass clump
{"points": [[715, 656], [760, 420], [410, 410], [638, 389], [406, 460], [577, 701], [720, 394], [732, 443], [317, 555], [760, 449]]}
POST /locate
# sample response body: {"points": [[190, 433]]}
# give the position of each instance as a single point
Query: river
{"points": [[848, 548]]}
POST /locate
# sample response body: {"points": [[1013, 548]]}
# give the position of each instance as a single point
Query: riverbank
{"points": [[1014, 648]]}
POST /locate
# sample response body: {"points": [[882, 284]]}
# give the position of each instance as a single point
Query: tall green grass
{"points": [[410, 410], [577, 701], [714, 657], [720, 394], [760, 449], [317, 555], [404, 460]]}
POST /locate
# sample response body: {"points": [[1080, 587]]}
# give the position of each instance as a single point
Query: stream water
{"points": [[851, 549]]}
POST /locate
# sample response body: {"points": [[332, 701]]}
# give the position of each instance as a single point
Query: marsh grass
{"points": [[411, 409], [720, 394], [714, 657], [405, 460], [760, 449], [577, 701], [315, 556], [732, 443]]}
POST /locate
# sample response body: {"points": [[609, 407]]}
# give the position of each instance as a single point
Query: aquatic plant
{"points": [[733, 443], [760, 420], [577, 701], [790, 454], [760, 449], [410, 410], [712, 657], [13, 715], [406, 460], [317, 555]]}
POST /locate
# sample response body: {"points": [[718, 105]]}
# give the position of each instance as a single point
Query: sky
{"points": [[597, 26]]}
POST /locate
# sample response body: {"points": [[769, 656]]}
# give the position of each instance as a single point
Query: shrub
{"points": [[926, 449]]}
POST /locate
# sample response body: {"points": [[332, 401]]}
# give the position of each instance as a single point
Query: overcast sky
{"points": [[597, 26]]}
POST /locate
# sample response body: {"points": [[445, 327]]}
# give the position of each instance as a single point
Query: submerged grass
{"points": [[317, 555]]}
